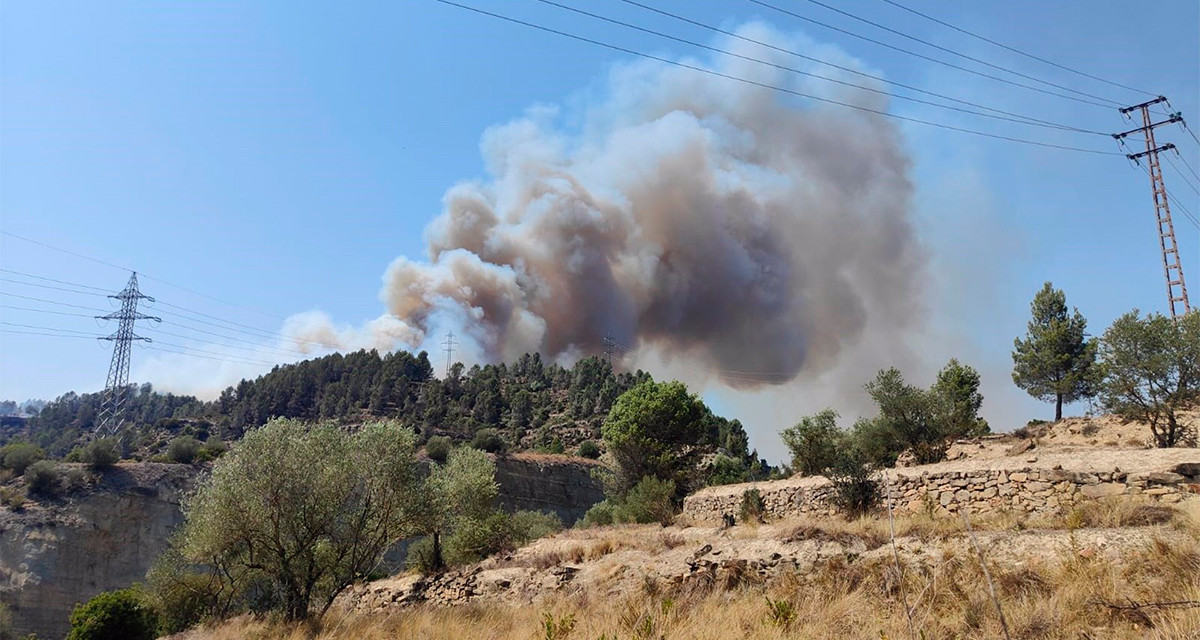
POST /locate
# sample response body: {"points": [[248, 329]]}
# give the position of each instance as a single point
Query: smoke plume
{"points": [[715, 223]]}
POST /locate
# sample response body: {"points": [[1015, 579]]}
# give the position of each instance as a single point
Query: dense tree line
{"points": [[528, 404]]}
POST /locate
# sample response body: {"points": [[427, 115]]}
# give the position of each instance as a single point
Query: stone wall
{"points": [[559, 484], [1023, 488]]}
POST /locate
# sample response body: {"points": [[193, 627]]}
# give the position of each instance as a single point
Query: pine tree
{"points": [[1055, 361]]}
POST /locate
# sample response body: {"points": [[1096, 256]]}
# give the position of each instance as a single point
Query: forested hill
{"points": [[530, 404]]}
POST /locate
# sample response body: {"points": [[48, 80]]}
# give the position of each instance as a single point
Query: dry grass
{"points": [[1044, 597]]}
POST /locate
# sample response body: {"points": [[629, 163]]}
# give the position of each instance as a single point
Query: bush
{"points": [[19, 455], [488, 440], [123, 614], [527, 526], [855, 491], [421, 556], [183, 449], [42, 478], [13, 499], [650, 500], [726, 470], [599, 515], [438, 448], [102, 453], [212, 450], [589, 449], [752, 507], [182, 594]]}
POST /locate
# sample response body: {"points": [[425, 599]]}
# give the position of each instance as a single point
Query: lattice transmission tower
{"points": [[1177, 295], [116, 390]]}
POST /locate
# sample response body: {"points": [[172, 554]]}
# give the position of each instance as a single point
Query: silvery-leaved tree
{"points": [[1055, 361], [1152, 373], [302, 512]]}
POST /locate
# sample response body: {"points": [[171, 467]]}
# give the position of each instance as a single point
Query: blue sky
{"points": [[279, 155]]}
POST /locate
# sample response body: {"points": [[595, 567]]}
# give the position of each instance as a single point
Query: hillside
{"points": [[532, 405], [1081, 575]]}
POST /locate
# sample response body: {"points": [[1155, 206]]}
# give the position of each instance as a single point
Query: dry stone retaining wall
{"points": [[1027, 489]]}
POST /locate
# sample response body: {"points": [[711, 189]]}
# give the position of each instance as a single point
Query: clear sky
{"points": [[278, 155]]}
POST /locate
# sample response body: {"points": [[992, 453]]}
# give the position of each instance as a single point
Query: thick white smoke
{"points": [[711, 222]]}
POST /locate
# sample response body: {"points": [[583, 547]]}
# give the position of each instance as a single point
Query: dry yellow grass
{"points": [[1053, 598]]}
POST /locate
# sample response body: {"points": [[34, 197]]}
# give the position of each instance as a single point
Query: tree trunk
{"points": [[1058, 408], [438, 563]]}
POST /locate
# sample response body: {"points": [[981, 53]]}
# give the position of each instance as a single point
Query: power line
{"points": [[61, 304], [1182, 176], [39, 333], [764, 85], [922, 56], [1018, 119], [57, 313], [50, 286], [792, 52], [956, 53], [152, 348], [73, 284], [1015, 50], [145, 275]]}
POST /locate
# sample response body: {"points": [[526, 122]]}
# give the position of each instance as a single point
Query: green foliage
{"points": [[460, 496], [752, 508], [599, 515], [306, 510], [589, 449], [214, 448], [488, 440], [43, 478], [780, 613], [17, 456], [656, 429], [421, 556], [726, 470], [855, 489], [114, 615], [1152, 372], [183, 594], [651, 500], [475, 539], [1055, 361], [921, 422], [814, 442], [102, 453], [438, 448], [557, 628], [183, 449], [12, 498]]}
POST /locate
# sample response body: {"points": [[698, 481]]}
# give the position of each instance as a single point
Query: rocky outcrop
{"points": [[558, 484], [1030, 484], [54, 555]]}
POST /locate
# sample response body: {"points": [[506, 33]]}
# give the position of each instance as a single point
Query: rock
{"points": [[1170, 497], [1165, 477], [1102, 490], [702, 551], [1020, 447]]}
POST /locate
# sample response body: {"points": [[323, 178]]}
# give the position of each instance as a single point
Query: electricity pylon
{"points": [[1176, 287], [116, 390]]}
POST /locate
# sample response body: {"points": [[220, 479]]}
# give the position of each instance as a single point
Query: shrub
{"points": [[75, 479], [527, 526], [421, 556], [752, 507], [599, 515], [488, 440], [182, 594], [438, 448], [650, 500], [855, 491], [121, 614], [726, 470], [19, 455], [102, 453], [477, 539], [212, 450], [183, 449], [589, 449], [12, 498], [42, 478]]}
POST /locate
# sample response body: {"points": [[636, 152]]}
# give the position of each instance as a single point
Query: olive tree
{"points": [[460, 493], [1152, 372], [1055, 361], [307, 510]]}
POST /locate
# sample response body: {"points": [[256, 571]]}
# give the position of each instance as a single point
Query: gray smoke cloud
{"points": [[721, 224]]}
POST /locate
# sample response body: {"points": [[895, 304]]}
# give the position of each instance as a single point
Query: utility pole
{"points": [[116, 390], [1177, 296], [449, 344]]}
